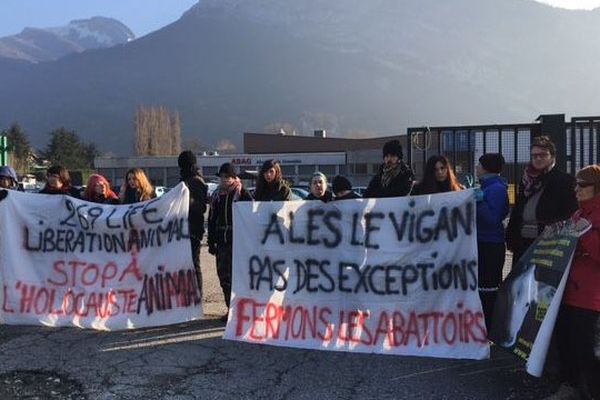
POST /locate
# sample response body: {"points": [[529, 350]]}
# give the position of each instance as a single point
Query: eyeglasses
{"points": [[540, 155], [583, 184]]}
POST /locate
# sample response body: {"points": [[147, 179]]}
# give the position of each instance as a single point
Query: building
{"points": [[300, 157]]}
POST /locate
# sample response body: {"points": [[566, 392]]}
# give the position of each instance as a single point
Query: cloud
{"points": [[572, 4]]}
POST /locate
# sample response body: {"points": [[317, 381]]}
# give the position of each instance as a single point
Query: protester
{"points": [[136, 187], [270, 185], [220, 224], [318, 188], [492, 209], [8, 178], [342, 188], [98, 190], [394, 178], [59, 182], [189, 174], [438, 178], [545, 195], [578, 324]]}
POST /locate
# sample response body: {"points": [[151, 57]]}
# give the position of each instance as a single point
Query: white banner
{"points": [[68, 262], [392, 276]]}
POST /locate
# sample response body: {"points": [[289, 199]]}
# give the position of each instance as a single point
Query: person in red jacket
{"points": [[578, 325]]}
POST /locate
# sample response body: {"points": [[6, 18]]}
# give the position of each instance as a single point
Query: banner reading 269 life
{"points": [[391, 276], [67, 262]]}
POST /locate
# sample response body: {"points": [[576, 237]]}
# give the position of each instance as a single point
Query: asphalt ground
{"points": [[192, 361]]}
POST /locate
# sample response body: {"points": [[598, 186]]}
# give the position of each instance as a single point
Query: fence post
{"points": [[553, 126]]}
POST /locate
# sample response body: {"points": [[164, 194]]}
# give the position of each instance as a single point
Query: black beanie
{"points": [[393, 147], [267, 165], [492, 162], [340, 183], [186, 160]]}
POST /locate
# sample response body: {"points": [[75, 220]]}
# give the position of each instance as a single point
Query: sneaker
{"points": [[564, 392]]}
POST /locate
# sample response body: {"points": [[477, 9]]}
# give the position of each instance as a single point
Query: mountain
{"points": [[353, 67], [46, 44]]}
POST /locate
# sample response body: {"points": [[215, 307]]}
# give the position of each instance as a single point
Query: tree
{"points": [[19, 148], [157, 131], [66, 148]]}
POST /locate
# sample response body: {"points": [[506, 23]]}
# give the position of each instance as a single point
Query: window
{"points": [[306, 169], [328, 170]]}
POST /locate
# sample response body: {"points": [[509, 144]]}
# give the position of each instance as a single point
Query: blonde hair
{"points": [[144, 186]]}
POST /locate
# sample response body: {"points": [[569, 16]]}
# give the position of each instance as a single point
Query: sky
{"points": [[573, 4], [141, 16]]}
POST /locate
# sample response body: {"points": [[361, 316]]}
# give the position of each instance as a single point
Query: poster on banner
{"points": [[529, 299], [68, 262], [391, 276]]}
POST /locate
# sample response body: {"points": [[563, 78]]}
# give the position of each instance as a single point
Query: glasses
{"points": [[540, 155], [583, 184]]}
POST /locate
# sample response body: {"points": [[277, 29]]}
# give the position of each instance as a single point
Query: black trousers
{"points": [[196, 260], [578, 340], [224, 267], [491, 258]]}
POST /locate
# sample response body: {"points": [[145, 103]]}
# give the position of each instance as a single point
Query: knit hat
{"points": [[492, 162], [340, 184], [393, 148], [227, 169], [267, 165], [590, 174], [9, 172], [187, 159]]}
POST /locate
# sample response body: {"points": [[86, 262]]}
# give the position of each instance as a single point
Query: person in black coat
{"points": [[394, 178], [546, 195], [220, 224], [59, 182], [189, 175], [270, 185], [342, 188], [318, 188]]}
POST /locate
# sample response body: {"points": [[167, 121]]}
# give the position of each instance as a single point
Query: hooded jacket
{"points": [[492, 210], [583, 285]]}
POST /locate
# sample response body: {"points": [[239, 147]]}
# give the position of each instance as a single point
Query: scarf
{"points": [[225, 190], [533, 179], [389, 172]]}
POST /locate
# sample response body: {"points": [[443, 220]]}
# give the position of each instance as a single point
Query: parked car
{"points": [[301, 193], [160, 190]]}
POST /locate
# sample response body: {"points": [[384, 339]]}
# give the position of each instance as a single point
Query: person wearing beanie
{"points": [[189, 175], [8, 178], [318, 188], [492, 209], [342, 188], [220, 224], [438, 178], [545, 195], [270, 185], [394, 178], [578, 324]]}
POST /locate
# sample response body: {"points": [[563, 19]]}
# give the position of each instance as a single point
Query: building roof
{"points": [[256, 143]]}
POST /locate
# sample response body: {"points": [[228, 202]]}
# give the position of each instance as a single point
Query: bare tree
{"points": [[157, 131]]}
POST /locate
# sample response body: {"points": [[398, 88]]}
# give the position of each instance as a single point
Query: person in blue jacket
{"points": [[492, 209]]}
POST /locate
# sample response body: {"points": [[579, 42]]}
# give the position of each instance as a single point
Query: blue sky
{"points": [[141, 16]]}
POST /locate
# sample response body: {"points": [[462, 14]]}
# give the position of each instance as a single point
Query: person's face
{"points": [[390, 159], [317, 187], [441, 171], [584, 191], [269, 175], [479, 170], [5, 182], [54, 181], [227, 180], [541, 158], [99, 189], [132, 182]]}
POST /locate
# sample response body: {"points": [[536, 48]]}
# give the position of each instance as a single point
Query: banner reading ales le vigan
{"points": [[68, 262], [392, 276]]}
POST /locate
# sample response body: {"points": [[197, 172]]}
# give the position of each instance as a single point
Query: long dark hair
{"points": [[431, 185], [261, 182]]}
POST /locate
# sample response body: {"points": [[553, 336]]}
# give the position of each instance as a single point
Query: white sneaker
{"points": [[564, 392]]}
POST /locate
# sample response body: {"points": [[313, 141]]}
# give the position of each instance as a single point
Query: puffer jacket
{"points": [[583, 285]]}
